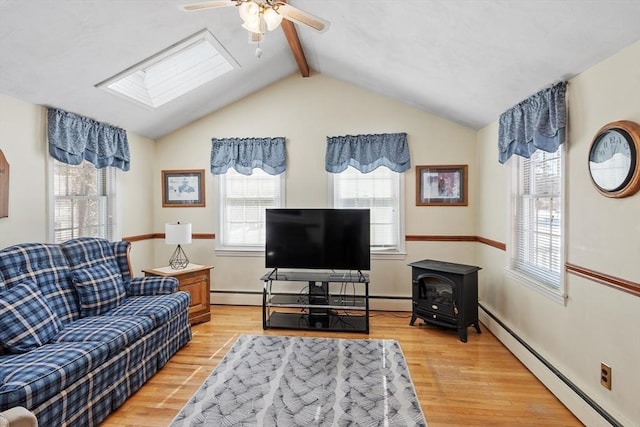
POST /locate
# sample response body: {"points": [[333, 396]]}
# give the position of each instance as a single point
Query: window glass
{"points": [[243, 201], [83, 201], [380, 191], [536, 237]]}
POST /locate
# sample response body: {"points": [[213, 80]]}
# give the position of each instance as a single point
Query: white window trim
{"points": [[241, 251], [400, 252], [558, 295], [553, 294], [238, 251], [50, 200]]}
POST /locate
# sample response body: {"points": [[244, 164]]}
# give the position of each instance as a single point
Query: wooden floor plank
{"points": [[477, 383]]}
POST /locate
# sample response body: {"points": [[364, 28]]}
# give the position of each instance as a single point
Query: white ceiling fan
{"points": [[258, 14]]}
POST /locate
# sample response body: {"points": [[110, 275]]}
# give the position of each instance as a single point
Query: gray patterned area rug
{"points": [[302, 381]]}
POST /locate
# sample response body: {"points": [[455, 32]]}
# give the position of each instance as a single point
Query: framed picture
{"points": [[441, 185], [183, 188]]}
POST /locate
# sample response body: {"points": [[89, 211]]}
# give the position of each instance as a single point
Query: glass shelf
{"points": [[320, 307]]}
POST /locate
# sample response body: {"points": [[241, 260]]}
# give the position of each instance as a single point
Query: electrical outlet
{"points": [[605, 375]]}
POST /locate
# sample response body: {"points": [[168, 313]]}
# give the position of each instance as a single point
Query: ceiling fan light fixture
{"points": [[261, 15], [248, 9], [255, 38], [272, 18], [254, 24]]}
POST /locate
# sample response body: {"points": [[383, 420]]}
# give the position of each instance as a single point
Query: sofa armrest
{"points": [[152, 285], [18, 417]]}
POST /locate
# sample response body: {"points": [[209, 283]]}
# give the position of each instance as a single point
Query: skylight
{"points": [[173, 72]]}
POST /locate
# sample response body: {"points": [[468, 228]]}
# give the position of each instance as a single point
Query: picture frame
{"points": [[183, 188], [445, 185]]}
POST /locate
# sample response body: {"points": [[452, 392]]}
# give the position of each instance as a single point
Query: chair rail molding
{"points": [[605, 279]]}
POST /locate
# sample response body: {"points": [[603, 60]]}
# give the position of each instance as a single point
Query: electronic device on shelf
{"points": [[333, 239]]}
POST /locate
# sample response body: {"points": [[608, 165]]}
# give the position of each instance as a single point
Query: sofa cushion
{"points": [[160, 308], [99, 288], [26, 320], [84, 252], [152, 285], [116, 332], [46, 265], [32, 378]]}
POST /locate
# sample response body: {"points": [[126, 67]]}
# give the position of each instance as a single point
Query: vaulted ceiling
{"points": [[463, 60]]}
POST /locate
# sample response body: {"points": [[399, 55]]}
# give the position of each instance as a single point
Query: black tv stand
{"points": [[320, 307]]}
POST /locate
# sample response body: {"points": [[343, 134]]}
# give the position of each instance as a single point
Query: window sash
{"points": [[80, 216], [537, 239], [243, 201], [378, 191], [83, 201]]}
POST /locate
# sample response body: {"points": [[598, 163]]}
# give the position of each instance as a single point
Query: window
{"points": [[177, 70], [83, 201], [536, 248], [243, 200], [381, 192]]}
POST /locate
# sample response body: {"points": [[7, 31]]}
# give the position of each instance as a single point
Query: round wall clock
{"points": [[613, 159]]}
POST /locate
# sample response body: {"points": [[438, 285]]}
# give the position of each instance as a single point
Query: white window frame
{"points": [[518, 268], [223, 248], [399, 252], [108, 200]]}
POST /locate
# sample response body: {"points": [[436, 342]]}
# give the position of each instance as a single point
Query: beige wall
{"points": [[23, 141], [22, 131], [136, 201], [306, 111], [598, 323]]}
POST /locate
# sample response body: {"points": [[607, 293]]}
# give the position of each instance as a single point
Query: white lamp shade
{"points": [[177, 234], [254, 24], [272, 19], [248, 9]]}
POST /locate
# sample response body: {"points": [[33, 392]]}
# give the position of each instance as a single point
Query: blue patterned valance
{"points": [[368, 152], [246, 154], [536, 123], [73, 138]]}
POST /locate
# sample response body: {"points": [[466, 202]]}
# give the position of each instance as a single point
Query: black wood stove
{"points": [[445, 294]]}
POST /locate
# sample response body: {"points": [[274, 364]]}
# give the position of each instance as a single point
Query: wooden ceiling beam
{"points": [[291, 34]]}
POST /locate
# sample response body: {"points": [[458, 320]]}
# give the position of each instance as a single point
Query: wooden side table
{"points": [[195, 279]]}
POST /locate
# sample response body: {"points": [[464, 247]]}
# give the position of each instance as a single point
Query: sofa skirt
{"points": [[90, 400]]}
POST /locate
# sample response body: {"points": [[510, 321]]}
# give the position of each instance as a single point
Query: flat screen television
{"points": [[335, 239]]}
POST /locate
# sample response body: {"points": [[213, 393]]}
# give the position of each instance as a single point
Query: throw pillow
{"points": [[26, 319], [99, 288]]}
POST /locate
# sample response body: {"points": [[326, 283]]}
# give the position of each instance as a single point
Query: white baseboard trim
{"points": [[584, 408], [228, 298]]}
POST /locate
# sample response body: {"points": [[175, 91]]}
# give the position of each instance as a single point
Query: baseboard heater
{"points": [[589, 401]]}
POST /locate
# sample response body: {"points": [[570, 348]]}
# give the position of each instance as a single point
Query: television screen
{"points": [[336, 239]]}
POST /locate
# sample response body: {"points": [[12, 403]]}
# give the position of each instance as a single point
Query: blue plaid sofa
{"points": [[78, 333]]}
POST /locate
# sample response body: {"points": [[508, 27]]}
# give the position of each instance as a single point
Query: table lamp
{"points": [[178, 234]]}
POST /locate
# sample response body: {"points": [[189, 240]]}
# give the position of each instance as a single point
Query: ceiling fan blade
{"points": [[207, 5], [301, 17]]}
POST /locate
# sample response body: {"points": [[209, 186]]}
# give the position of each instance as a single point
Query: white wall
{"points": [[306, 111], [598, 323]]}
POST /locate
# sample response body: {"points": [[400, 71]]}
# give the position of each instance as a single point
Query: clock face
{"points": [[612, 159]]}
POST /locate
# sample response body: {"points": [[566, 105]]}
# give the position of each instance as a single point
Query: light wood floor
{"points": [[478, 383]]}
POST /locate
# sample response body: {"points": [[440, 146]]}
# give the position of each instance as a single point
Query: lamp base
{"points": [[179, 259]]}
